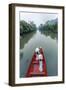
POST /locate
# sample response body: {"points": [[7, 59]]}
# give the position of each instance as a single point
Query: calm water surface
{"points": [[49, 43]]}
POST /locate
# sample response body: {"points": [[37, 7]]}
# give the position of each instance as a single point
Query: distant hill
{"points": [[51, 22]]}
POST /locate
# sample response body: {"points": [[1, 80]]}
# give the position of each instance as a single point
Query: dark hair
{"points": [[38, 52]]}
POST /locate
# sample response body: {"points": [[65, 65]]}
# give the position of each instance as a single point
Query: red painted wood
{"points": [[33, 69]]}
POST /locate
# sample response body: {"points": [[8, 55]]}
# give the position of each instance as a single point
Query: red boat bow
{"points": [[33, 69]]}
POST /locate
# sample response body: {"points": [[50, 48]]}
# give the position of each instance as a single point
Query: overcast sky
{"points": [[37, 18]]}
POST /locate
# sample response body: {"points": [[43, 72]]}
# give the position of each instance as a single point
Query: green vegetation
{"points": [[51, 26], [26, 27]]}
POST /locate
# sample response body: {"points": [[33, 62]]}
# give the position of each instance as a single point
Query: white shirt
{"points": [[38, 57]]}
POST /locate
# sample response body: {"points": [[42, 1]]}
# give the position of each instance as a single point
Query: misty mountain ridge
{"points": [[51, 22]]}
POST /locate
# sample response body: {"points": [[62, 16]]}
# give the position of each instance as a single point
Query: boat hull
{"points": [[33, 69]]}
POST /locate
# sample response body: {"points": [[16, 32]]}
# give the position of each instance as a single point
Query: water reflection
{"points": [[36, 39], [51, 34], [25, 38]]}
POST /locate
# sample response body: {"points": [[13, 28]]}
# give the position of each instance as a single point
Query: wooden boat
{"points": [[33, 69]]}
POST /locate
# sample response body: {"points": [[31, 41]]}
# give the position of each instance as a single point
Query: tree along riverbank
{"points": [[27, 27], [50, 26]]}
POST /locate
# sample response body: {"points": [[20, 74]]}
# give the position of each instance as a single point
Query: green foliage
{"points": [[49, 27], [26, 27]]}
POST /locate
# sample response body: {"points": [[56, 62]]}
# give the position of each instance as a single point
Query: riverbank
{"points": [[26, 28]]}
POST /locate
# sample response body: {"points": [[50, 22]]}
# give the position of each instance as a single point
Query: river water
{"points": [[48, 42]]}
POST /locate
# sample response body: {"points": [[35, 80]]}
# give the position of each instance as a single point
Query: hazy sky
{"points": [[37, 18]]}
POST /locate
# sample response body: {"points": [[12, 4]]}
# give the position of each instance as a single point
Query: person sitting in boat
{"points": [[40, 62], [37, 51], [39, 57]]}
